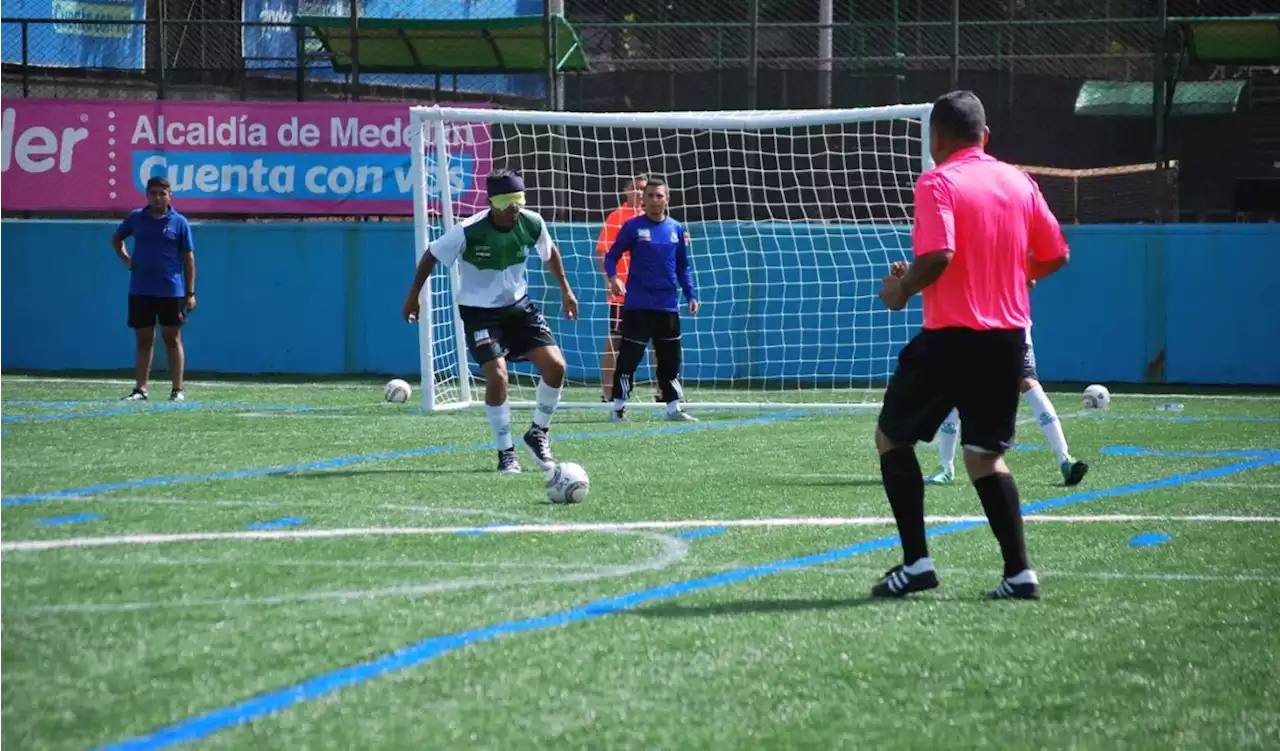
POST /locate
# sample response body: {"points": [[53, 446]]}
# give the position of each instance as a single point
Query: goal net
{"points": [[794, 217]]}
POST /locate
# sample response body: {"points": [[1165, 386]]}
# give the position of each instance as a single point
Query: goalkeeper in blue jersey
{"points": [[659, 250]]}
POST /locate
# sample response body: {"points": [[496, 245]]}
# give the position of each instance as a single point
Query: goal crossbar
{"points": [[728, 120], [841, 223]]}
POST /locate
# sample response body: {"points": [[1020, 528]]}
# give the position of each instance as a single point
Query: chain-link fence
{"points": [[1068, 84]]}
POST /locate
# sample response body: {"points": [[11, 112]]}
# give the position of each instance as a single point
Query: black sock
{"points": [[904, 485], [999, 494]]}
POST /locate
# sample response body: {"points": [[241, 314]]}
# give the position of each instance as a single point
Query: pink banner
{"points": [[228, 157]]}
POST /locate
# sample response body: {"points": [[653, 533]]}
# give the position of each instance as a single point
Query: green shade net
{"points": [[486, 45], [1134, 99]]}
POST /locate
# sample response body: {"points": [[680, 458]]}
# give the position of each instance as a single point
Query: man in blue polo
{"points": [[660, 271], [162, 283]]}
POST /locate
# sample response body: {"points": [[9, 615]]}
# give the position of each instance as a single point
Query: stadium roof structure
{"points": [[515, 44], [1237, 40]]}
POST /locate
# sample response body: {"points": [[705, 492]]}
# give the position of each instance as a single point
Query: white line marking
{"points": [[672, 552], [320, 534], [1048, 574], [331, 563]]}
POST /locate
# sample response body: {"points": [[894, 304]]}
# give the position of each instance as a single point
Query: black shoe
{"points": [[508, 464], [898, 583], [137, 395], [1010, 591], [539, 444], [1073, 472]]}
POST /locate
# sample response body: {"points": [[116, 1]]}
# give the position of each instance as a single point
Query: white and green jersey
{"points": [[491, 263]]}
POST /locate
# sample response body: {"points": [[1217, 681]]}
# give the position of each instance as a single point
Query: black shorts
{"points": [[146, 310], [975, 372], [1029, 361], [505, 332], [615, 319], [645, 325]]}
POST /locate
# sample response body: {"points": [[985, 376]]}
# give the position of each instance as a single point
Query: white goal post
{"points": [[794, 217]]}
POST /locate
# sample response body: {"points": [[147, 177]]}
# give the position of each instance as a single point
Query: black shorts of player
{"points": [[1029, 364], [505, 332], [645, 325], [615, 319], [976, 372], [147, 310]]}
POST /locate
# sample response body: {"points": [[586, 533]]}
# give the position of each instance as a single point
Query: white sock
{"points": [[619, 404], [673, 406], [1026, 576], [500, 421], [1048, 419], [948, 434], [546, 401], [920, 566]]}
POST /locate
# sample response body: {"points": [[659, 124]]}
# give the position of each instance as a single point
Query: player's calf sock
{"points": [[999, 495], [546, 399], [948, 436], [1047, 416], [500, 421], [904, 486]]}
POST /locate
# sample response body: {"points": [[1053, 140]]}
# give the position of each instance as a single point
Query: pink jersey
{"points": [[990, 214]]}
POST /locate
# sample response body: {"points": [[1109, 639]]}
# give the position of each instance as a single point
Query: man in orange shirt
{"points": [[975, 219], [633, 191]]}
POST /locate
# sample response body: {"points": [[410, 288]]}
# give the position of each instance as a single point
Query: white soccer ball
{"points": [[1097, 397], [568, 483], [398, 391]]}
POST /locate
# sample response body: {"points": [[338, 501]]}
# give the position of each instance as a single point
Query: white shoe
{"points": [[681, 416]]}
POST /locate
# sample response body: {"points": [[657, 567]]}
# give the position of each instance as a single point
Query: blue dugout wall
{"points": [[1175, 303]]}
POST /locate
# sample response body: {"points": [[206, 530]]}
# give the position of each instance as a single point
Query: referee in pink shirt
{"points": [[975, 219]]}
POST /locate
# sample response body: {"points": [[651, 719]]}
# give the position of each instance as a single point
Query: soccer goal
{"points": [[794, 217]]}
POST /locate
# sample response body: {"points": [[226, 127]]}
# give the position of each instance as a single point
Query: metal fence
{"points": [[1029, 60]]}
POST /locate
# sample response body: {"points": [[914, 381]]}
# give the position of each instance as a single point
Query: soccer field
{"points": [[270, 566]]}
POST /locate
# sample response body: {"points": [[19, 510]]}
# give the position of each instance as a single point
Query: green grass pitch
{"points": [[350, 589]]}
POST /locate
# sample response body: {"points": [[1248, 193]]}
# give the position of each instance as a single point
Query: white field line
{"points": [[360, 386], [853, 521], [876, 571], [673, 551], [337, 563]]}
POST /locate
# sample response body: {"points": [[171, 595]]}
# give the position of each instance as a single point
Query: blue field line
{"points": [[55, 521], [344, 461], [1158, 454], [50, 404], [1147, 539], [1182, 418], [693, 534], [287, 521], [413, 655], [135, 408], [482, 528]]}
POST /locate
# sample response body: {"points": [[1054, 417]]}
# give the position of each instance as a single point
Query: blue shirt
{"points": [[159, 243], [659, 264]]}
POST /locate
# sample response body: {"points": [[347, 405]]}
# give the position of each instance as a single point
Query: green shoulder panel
{"points": [[488, 248]]}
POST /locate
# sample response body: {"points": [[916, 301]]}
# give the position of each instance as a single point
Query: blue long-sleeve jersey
{"points": [[659, 264]]}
